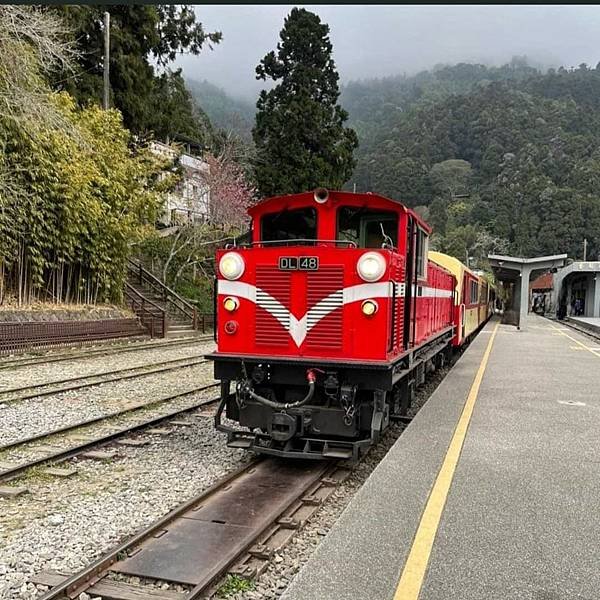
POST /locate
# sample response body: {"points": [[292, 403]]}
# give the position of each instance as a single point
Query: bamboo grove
{"points": [[75, 190]]}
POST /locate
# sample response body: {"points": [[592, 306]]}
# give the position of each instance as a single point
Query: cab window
{"points": [[298, 224], [422, 248], [367, 228]]}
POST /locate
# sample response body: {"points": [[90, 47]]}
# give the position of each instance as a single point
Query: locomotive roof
{"points": [[337, 197]]}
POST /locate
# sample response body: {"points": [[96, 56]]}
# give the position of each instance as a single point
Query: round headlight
{"points": [[371, 266], [231, 265], [369, 307], [230, 303]]}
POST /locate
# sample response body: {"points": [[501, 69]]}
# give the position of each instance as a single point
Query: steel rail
{"points": [[72, 586], [139, 347], [62, 455], [118, 413], [139, 373], [79, 582]]}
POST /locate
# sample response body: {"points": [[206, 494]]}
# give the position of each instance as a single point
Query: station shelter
{"points": [[514, 275]]}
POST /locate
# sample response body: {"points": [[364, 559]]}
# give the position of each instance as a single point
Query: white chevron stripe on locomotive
{"points": [[299, 328]]}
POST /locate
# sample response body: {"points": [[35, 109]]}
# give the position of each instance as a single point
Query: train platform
{"points": [[492, 491], [591, 324]]}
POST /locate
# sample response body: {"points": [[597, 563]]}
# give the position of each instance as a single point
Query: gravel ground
{"points": [[64, 524], [47, 446], [28, 417], [282, 569], [77, 367]]}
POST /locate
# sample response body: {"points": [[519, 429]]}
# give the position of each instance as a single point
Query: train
{"points": [[329, 317]]}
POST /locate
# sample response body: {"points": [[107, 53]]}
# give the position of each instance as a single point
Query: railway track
{"points": [[76, 383], [234, 526], [9, 472], [138, 347], [593, 335]]}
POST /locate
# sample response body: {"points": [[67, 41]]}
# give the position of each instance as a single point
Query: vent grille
{"points": [[397, 309], [272, 302], [324, 293]]}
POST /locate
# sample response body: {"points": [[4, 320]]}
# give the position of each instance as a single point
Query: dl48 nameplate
{"points": [[298, 263]]}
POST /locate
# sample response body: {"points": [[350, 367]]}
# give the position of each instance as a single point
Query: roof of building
{"points": [[543, 282]]}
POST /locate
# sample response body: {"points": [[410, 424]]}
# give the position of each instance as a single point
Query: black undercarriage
{"points": [[264, 408]]}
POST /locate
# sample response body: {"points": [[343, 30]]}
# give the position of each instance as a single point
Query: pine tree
{"points": [[299, 132]]}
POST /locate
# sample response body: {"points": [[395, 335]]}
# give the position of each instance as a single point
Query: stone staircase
{"points": [[159, 307]]}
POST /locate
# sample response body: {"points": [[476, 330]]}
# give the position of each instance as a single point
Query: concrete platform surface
{"points": [[521, 520]]}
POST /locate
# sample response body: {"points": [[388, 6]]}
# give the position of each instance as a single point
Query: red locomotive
{"points": [[326, 321]]}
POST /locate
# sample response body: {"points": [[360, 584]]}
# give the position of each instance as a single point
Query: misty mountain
{"points": [[495, 158], [224, 111]]}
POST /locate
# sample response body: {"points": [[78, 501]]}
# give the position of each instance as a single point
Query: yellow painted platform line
{"points": [[413, 574], [561, 332]]}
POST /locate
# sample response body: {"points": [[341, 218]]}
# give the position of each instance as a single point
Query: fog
{"points": [[375, 41]]}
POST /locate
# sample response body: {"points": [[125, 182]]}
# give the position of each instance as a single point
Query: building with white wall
{"points": [[189, 202]]}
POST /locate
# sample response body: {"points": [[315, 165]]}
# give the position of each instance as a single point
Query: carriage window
{"points": [[299, 224], [367, 228], [422, 248], [474, 292]]}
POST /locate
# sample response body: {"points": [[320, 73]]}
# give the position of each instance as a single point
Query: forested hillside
{"points": [[224, 111], [498, 159]]}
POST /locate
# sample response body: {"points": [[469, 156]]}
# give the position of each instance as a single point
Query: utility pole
{"points": [[106, 90], [584, 249]]}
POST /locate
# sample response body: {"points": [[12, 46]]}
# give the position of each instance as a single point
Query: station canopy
{"points": [[514, 274]]}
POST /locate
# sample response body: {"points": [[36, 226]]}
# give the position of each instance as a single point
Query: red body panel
{"points": [[341, 333], [318, 313]]}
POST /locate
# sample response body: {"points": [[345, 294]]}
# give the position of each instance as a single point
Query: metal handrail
{"points": [[167, 293], [129, 289], [350, 243], [148, 316]]}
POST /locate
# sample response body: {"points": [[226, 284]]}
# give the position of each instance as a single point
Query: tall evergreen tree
{"points": [[299, 133]]}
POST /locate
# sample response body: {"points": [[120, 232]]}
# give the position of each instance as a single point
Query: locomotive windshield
{"points": [[298, 224], [367, 228]]}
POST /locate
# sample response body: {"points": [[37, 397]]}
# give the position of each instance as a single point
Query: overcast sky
{"points": [[374, 41]]}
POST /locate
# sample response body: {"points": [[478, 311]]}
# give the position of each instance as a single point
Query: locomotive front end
{"points": [[301, 329], [311, 327], [304, 325]]}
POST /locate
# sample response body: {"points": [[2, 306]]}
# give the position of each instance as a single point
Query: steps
{"points": [[180, 315]]}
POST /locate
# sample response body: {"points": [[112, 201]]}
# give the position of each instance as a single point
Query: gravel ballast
{"points": [[64, 524], [26, 375], [28, 417]]}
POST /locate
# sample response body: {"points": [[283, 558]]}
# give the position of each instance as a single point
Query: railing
{"points": [[151, 315], [24, 336], [206, 321], [171, 298], [292, 242]]}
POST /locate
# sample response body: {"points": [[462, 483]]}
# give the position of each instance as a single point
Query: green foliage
{"points": [[184, 260], [224, 111], [87, 194], [140, 36], [299, 133], [233, 585], [175, 112], [505, 158]]}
